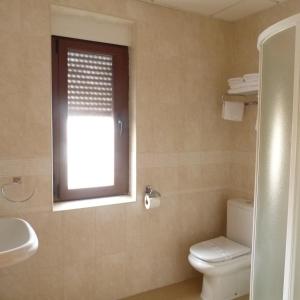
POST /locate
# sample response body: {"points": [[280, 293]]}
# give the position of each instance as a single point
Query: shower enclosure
{"points": [[276, 250]]}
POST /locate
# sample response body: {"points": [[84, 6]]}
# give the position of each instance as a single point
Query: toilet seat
{"points": [[218, 250], [220, 268]]}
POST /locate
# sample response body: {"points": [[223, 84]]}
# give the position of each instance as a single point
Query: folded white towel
{"points": [[253, 80], [233, 111], [237, 85], [235, 80], [243, 84], [252, 76], [247, 89]]}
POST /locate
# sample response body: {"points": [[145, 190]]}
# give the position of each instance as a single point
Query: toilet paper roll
{"points": [[151, 202]]}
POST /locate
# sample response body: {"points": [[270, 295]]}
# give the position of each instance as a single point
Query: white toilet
{"points": [[225, 261]]}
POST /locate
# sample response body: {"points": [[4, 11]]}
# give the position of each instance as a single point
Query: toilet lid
{"points": [[218, 249]]}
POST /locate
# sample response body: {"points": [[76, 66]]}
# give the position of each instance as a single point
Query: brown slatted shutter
{"points": [[90, 86]]}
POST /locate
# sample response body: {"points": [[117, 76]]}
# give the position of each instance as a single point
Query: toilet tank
{"points": [[240, 221]]}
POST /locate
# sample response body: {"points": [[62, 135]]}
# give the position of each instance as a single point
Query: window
{"points": [[90, 119]]}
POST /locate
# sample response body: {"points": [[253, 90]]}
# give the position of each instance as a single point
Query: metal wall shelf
{"points": [[226, 97]]}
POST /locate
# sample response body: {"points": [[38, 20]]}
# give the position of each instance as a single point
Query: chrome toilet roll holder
{"points": [[151, 193]]}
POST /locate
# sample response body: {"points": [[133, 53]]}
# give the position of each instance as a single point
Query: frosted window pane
{"points": [[90, 150]]}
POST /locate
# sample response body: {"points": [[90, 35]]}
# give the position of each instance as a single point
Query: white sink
{"points": [[18, 241]]}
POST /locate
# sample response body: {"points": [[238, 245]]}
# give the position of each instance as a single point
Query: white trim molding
{"points": [[80, 24]]}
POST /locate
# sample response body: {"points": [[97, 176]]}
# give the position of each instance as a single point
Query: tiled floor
{"points": [[186, 290]]}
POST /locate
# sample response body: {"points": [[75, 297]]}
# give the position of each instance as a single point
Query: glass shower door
{"points": [[273, 166]]}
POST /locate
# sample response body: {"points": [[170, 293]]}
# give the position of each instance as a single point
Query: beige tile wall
{"points": [[245, 60], [183, 150]]}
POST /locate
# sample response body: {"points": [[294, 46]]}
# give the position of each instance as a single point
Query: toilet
{"points": [[225, 261]]}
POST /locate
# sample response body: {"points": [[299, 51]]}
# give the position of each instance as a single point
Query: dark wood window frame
{"points": [[60, 47]]}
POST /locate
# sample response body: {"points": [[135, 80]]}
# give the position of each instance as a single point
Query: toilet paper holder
{"points": [[151, 193]]}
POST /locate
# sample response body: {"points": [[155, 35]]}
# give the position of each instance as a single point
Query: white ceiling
{"points": [[229, 10]]}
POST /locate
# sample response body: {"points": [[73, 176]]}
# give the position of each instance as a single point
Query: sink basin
{"points": [[18, 241]]}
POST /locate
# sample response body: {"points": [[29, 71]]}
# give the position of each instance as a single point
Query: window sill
{"points": [[78, 204]]}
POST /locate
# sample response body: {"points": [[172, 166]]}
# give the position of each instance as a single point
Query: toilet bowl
{"points": [[225, 261]]}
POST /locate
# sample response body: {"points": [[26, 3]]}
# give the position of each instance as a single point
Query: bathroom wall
{"points": [[183, 150], [245, 60]]}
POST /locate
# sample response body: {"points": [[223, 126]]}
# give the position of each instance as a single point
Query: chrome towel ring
{"points": [[15, 180]]}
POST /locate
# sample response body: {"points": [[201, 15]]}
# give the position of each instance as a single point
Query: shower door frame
{"points": [[293, 214]]}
